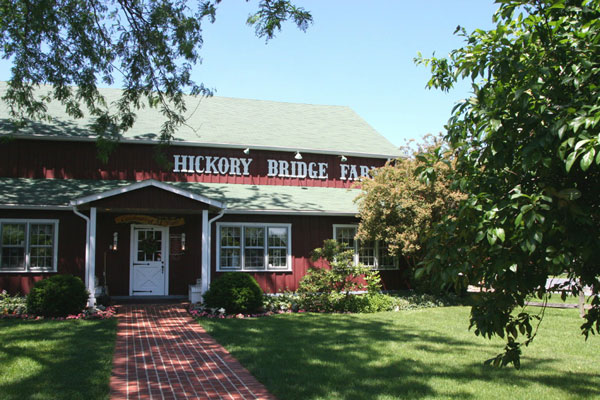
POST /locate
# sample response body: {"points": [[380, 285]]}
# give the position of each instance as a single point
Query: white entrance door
{"points": [[149, 260]]}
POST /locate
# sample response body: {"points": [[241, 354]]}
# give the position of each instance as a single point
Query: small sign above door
{"points": [[149, 220]]}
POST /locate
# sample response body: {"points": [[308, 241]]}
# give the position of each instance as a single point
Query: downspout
{"points": [[210, 240], [87, 246]]}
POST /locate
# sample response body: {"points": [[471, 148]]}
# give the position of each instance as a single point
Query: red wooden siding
{"points": [[78, 160], [117, 262], [308, 233], [71, 249], [184, 269]]}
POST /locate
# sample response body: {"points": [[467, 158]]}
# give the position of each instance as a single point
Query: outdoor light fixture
{"points": [[247, 150], [113, 247], [344, 159], [298, 156], [183, 242]]}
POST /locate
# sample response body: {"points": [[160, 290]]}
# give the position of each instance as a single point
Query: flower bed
{"points": [[201, 313], [287, 303], [89, 313], [15, 307]]}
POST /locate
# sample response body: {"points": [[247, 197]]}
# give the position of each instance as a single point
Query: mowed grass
{"points": [[56, 359], [420, 354]]}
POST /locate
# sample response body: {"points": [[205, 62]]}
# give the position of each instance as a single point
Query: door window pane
{"points": [[149, 245]]}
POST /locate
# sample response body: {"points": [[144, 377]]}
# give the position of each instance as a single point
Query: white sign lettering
{"points": [[351, 172], [211, 165], [275, 168], [297, 169]]}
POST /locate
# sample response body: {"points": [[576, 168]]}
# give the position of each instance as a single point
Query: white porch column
{"points": [[92, 259], [205, 251]]}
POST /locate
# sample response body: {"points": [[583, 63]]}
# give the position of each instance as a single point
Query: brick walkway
{"points": [[162, 353]]}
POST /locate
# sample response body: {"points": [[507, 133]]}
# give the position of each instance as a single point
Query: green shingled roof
{"points": [[239, 198], [241, 123]]}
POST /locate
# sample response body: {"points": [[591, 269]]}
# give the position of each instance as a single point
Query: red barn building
{"points": [[254, 186]]}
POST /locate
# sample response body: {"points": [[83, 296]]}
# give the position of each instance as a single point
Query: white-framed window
{"points": [[28, 245], [372, 253], [254, 247]]}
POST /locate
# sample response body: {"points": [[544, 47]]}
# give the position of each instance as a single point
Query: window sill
{"points": [[254, 270], [20, 271]]}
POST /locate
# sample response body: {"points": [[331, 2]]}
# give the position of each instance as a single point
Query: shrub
{"points": [[235, 292], [331, 290], [12, 304], [57, 296], [286, 301], [355, 303], [409, 300], [343, 276], [376, 302]]}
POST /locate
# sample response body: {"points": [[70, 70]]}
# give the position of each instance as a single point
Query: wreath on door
{"points": [[149, 246]]}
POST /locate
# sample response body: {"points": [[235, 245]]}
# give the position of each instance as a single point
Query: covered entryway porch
{"points": [[147, 239]]}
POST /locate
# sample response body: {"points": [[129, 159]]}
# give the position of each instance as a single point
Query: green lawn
{"points": [[427, 353], [56, 359]]}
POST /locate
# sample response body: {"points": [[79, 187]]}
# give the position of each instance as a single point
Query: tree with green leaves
{"points": [[152, 45], [527, 149], [404, 199]]}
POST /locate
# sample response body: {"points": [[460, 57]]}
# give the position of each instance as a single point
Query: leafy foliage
{"points": [[152, 44], [361, 303], [235, 292], [342, 276], [412, 300], [527, 154], [57, 296], [333, 289], [12, 304], [400, 210], [286, 301]]}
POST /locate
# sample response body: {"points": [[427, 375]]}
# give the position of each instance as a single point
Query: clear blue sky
{"points": [[357, 53]]}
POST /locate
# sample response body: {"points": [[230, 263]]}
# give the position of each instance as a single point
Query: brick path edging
{"points": [[162, 353]]}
